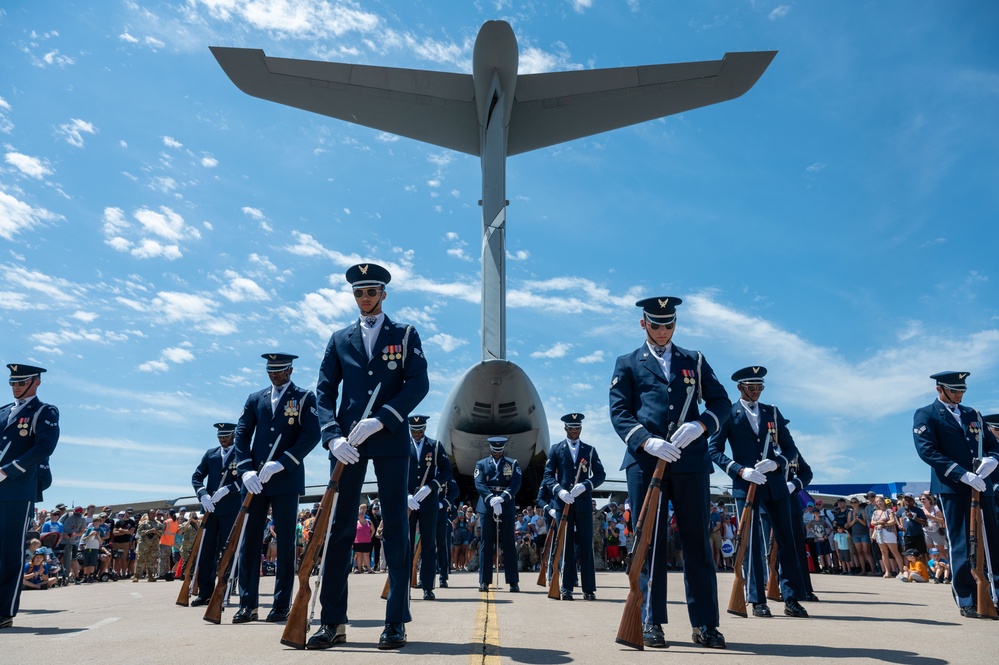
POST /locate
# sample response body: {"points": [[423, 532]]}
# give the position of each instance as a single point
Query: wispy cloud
{"points": [[557, 351], [157, 234], [16, 216], [72, 132], [33, 167]]}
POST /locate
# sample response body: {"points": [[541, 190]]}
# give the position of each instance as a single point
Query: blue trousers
{"points": [[284, 511], [488, 544], [426, 519], [957, 513], [578, 548], [13, 525], [213, 540], [756, 567], [444, 540], [689, 494], [393, 479]]}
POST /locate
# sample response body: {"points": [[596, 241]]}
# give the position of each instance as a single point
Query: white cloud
{"points": [[305, 19], [152, 41], [6, 125], [74, 130], [47, 290], [178, 307], [154, 366], [241, 289], [557, 351], [447, 343], [171, 142], [33, 167], [253, 213], [147, 248], [459, 253], [816, 167], [177, 355], [519, 255], [209, 162], [53, 57], [166, 224], [55, 339], [17, 216], [321, 312], [779, 12], [595, 357], [86, 317], [581, 5], [125, 37]]}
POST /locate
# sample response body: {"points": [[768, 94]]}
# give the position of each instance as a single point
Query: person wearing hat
{"points": [[447, 511], [497, 480], [377, 370], [761, 446], [429, 471], [572, 472], [276, 431], [962, 454], [217, 484], [29, 435], [647, 395]]}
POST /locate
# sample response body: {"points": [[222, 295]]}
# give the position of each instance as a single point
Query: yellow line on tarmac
{"points": [[485, 636]]}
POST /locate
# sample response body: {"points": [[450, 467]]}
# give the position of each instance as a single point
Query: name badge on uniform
{"points": [[23, 424], [391, 353], [291, 410], [688, 376]]}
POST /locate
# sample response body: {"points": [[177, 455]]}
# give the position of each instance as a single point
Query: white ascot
{"points": [[370, 327], [752, 414]]}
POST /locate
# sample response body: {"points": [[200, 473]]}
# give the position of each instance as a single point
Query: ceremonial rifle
{"points": [[629, 632], [498, 518], [558, 558], [416, 551], [976, 545], [213, 612], [190, 566], [737, 600], [545, 553], [773, 583], [296, 627]]}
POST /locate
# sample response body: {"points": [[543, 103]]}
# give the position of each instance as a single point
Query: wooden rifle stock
{"points": [[413, 582], [297, 625], [213, 612], [773, 581], [416, 550], [976, 547], [737, 600], [543, 573], [629, 632], [558, 558], [184, 597]]}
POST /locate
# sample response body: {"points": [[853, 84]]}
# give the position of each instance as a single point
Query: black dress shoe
{"points": [[652, 635], [566, 595], [429, 595], [443, 584], [811, 597], [6, 622], [589, 596], [514, 588], [793, 609], [198, 601], [970, 612], [708, 636], [327, 636], [277, 614], [483, 587], [244, 615], [761, 610], [393, 637]]}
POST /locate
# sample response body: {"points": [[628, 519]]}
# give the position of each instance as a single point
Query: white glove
{"points": [[566, 497], [578, 489], [686, 434], [495, 501], [753, 476], [220, 494], [792, 488], [987, 466], [662, 449], [251, 481], [974, 480], [422, 493], [498, 508], [551, 511], [343, 451], [440, 506], [414, 503], [363, 430], [269, 470], [206, 503], [766, 466]]}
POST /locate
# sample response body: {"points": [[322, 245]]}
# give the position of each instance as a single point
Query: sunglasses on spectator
{"points": [[371, 293]]}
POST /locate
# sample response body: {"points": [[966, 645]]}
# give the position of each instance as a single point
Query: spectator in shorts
{"points": [[91, 550], [939, 567], [820, 530], [857, 524], [362, 541], [935, 528], [911, 520], [842, 541], [73, 526], [915, 570], [886, 535], [37, 574]]}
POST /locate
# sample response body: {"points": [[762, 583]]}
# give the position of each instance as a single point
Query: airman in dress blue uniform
{"points": [[797, 476], [647, 395], [217, 484], [497, 480], [761, 446], [276, 431], [429, 471], [30, 432], [962, 454], [372, 354], [447, 511], [569, 460], [992, 422]]}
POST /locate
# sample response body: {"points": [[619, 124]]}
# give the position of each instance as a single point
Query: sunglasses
{"points": [[753, 386], [21, 383], [371, 293], [657, 326]]}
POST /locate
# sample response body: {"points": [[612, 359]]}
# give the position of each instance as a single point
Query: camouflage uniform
{"points": [[187, 532], [599, 541], [147, 552]]}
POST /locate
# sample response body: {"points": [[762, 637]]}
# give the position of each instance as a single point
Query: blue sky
{"points": [[159, 229]]}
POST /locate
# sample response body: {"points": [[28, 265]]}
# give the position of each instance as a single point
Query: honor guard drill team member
{"points": [[447, 511], [568, 460], [217, 484], [372, 354], [497, 480], [30, 434], [992, 422], [962, 454], [427, 460], [279, 419], [797, 476], [761, 446], [647, 395]]}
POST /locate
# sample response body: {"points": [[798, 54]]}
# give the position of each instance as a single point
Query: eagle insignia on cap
{"points": [[272, 356], [663, 303], [363, 269], [962, 376], [575, 416], [13, 367], [756, 370]]}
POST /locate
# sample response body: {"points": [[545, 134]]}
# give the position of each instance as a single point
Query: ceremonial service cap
{"points": [[20, 372], [750, 375], [368, 274], [277, 362], [573, 419], [952, 380], [992, 420], [225, 429], [497, 443], [418, 422], [659, 310]]}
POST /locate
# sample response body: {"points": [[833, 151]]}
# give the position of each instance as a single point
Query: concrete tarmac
{"points": [[860, 620]]}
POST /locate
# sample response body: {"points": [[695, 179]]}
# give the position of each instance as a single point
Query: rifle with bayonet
{"points": [[737, 599], [564, 527], [191, 566]]}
